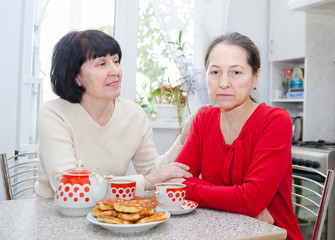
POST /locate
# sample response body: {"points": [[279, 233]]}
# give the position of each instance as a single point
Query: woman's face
{"points": [[229, 76], [101, 77]]}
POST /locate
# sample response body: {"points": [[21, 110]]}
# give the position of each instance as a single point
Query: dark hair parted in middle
{"points": [[70, 53], [242, 41]]}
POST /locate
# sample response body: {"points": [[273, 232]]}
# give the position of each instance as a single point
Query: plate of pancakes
{"points": [[128, 216]]}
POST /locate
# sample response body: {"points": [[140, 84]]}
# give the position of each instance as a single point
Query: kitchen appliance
{"points": [[297, 128], [319, 155]]}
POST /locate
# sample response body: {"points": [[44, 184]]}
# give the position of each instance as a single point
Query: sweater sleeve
{"points": [[268, 166], [56, 149]]}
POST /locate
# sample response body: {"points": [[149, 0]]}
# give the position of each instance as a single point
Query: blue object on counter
{"points": [[296, 82]]}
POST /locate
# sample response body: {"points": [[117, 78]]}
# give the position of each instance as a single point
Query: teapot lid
{"points": [[79, 170]]}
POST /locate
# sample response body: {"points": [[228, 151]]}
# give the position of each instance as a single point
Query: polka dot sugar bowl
{"points": [[78, 191]]}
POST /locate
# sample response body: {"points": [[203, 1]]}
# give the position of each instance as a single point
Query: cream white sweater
{"points": [[68, 133]]}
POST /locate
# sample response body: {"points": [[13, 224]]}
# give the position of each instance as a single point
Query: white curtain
{"points": [[175, 16], [200, 22]]}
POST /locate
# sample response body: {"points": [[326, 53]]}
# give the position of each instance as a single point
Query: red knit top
{"points": [[251, 174]]}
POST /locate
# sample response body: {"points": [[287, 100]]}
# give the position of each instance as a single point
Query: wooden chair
{"points": [[311, 200], [19, 174]]}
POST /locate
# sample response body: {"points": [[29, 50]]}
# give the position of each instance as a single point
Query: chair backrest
{"points": [[19, 174], [312, 192]]}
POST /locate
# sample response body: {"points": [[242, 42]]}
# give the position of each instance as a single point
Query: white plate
{"points": [[187, 207], [127, 228]]}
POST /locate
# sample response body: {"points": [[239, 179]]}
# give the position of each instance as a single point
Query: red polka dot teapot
{"points": [[78, 191]]}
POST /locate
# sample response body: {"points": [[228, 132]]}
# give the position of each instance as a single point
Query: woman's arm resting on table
{"points": [[169, 171], [175, 180]]}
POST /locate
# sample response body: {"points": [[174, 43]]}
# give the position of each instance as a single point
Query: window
{"points": [[62, 16], [155, 65], [53, 19]]}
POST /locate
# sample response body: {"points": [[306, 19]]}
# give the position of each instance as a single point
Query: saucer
{"points": [[187, 207]]}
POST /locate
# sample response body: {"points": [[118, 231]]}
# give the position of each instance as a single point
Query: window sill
{"points": [[165, 124]]}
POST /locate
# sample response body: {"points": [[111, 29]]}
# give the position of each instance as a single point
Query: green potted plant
{"points": [[146, 104], [186, 80], [176, 94], [170, 100]]}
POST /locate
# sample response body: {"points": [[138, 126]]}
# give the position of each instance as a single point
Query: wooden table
{"points": [[40, 219]]}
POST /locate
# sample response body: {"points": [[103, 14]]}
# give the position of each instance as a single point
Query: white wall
{"points": [[217, 17], [11, 22], [126, 28], [251, 18], [10, 64]]}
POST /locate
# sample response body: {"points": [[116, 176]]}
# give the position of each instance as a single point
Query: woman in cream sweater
{"points": [[90, 122]]}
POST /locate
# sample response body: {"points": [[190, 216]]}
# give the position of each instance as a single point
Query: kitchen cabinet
{"points": [[294, 106], [305, 40], [316, 6], [287, 31]]}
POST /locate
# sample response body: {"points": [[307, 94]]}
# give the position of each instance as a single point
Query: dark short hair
{"points": [[70, 53], [237, 39]]}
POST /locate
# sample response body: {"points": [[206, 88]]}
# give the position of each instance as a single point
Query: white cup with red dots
{"points": [[170, 195], [121, 188]]}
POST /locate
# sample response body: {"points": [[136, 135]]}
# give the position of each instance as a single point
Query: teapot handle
{"points": [[52, 178]]}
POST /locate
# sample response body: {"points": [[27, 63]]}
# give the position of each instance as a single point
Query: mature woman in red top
{"points": [[240, 152]]}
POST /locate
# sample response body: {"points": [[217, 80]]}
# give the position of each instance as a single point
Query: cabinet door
{"points": [[320, 70], [287, 32]]}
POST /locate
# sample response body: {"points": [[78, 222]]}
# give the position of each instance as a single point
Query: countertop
{"points": [[40, 219]]}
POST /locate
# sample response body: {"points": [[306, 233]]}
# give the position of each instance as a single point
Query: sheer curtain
{"points": [[175, 16], [200, 21]]}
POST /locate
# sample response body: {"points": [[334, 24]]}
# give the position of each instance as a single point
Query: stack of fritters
{"points": [[120, 211]]}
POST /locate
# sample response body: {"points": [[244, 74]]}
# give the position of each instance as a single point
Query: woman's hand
{"points": [[166, 172], [265, 216], [189, 121], [175, 180]]}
